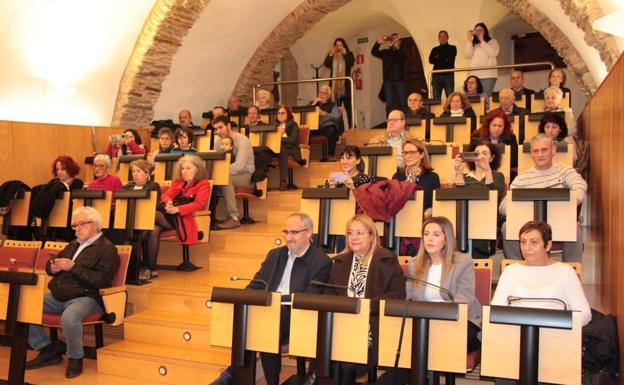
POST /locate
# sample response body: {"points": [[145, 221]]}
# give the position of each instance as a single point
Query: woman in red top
{"points": [[130, 144], [188, 193]]}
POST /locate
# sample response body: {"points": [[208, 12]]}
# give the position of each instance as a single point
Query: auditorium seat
{"points": [[304, 138], [23, 253], [114, 299], [250, 193], [49, 249]]}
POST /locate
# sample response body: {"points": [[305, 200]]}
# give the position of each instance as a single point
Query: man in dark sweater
{"points": [[288, 269], [443, 57], [84, 266], [393, 59]]}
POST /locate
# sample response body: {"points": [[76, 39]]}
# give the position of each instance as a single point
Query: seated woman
{"points": [[368, 271], [557, 78], [183, 139], [473, 87], [482, 172], [65, 169], [552, 103], [189, 192], [539, 276], [102, 179], [554, 125], [289, 144], [457, 105], [418, 170], [264, 99], [165, 142], [439, 263], [329, 119], [352, 174], [496, 128], [127, 144], [141, 171]]}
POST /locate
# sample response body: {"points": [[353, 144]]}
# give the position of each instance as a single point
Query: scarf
{"points": [[338, 69]]}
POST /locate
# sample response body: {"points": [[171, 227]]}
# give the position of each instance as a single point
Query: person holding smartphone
{"points": [[352, 174], [482, 51]]}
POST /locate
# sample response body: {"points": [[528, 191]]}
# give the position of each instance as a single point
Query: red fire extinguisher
{"points": [[359, 58], [357, 77]]}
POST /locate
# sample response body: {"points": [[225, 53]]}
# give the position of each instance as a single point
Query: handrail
{"points": [[502, 66], [349, 78]]}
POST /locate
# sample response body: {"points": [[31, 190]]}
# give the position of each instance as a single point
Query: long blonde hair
{"points": [[370, 226], [423, 259]]}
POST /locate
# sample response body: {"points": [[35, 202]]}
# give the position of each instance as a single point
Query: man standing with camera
{"points": [[393, 59]]}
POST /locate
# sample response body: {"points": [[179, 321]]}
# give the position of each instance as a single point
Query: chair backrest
{"points": [[24, 252], [577, 266], [304, 135], [49, 249], [483, 280], [124, 252]]}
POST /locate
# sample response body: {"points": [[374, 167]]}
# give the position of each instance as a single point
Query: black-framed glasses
{"points": [[292, 232], [74, 226]]}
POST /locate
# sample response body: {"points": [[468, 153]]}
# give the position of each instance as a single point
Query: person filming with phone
{"points": [[393, 59], [128, 143]]}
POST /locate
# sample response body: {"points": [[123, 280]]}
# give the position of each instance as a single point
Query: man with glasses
{"points": [[288, 269], [84, 266], [395, 135]]}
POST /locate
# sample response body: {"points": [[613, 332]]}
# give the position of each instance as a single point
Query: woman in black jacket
{"points": [[289, 131]]}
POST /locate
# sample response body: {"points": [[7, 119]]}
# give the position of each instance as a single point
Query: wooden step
{"points": [[181, 330], [155, 363], [361, 137], [180, 301], [240, 264], [251, 238]]}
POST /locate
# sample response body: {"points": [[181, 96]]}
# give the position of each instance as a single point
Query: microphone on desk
{"points": [[426, 283], [329, 285], [512, 298], [262, 281], [15, 261]]}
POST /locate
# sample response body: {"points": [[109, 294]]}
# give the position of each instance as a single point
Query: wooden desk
{"points": [[307, 116], [559, 351], [451, 130], [31, 300], [217, 166], [101, 200], [417, 128], [441, 156], [407, 223], [380, 160], [19, 210], [144, 216], [60, 214], [265, 135]]}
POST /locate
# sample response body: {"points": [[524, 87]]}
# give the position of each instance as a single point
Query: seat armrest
{"points": [[114, 301], [112, 290]]}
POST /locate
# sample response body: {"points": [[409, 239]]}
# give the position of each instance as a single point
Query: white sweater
{"points": [[553, 281], [481, 55]]}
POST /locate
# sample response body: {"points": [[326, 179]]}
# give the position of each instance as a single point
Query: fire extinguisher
{"points": [[357, 77], [359, 58]]}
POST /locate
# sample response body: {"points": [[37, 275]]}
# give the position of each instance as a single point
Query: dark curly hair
{"points": [[496, 160], [556, 118], [479, 84]]}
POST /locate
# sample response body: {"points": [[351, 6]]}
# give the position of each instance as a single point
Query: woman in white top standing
{"points": [[482, 51], [539, 276], [439, 263]]}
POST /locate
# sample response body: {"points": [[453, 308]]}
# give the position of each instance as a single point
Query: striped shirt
{"points": [[558, 176]]}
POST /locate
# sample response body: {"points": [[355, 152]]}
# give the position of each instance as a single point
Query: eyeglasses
{"points": [[74, 226], [99, 165], [395, 120], [357, 233], [292, 232], [411, 153], [281, 112]]}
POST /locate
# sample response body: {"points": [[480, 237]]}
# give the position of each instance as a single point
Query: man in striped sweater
{"points": [[544, 174]]}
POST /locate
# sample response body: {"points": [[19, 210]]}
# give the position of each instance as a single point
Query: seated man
{"points": [[85, 265], [517, 85], [395, 135], [288, 269], [415, 107], [545, 174], [185, 120], [235, 108], [506, 98], [253, 117], [240, 170]]}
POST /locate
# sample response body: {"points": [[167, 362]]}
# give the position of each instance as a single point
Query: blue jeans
{"points": [[392, 89], [441, 82], [72, 313], [488, 85]]}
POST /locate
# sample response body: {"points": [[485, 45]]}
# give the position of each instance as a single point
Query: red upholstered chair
{"points": [[24, 253], [322, 141], [114, 298], [49, 249], [250, 193]]}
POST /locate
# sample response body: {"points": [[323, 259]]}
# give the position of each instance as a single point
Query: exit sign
{"points": [[362, 40]]}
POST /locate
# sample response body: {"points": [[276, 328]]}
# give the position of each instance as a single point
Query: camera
{"points": [[117, 138], [468, 156]]}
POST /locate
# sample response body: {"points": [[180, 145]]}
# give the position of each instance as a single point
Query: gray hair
{"points": [[507, 91], [92, 215], [305, 218], [102, 158], [541, 138], [196, 161], [555, 90]]}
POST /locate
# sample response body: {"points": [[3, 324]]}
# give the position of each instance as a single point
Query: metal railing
{"points": [[502, 66], [350, 79]]}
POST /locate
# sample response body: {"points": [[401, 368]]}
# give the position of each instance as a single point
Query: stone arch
{"points": [[170, 20]]}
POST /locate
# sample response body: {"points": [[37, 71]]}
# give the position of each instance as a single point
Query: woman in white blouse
{"points": [[482, 51], [539, 276]]}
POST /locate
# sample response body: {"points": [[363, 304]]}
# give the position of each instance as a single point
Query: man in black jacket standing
{"points": [[393, 59], [288, 269], [443, 57], [84, 266]]}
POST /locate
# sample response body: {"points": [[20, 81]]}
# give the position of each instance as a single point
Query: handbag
{"points": [[178, 225]]}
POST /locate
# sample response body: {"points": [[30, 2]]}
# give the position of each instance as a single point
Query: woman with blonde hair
{"points": [[438, 262], [367, 270]]}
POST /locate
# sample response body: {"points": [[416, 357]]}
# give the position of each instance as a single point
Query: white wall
{"points": [[62, 60]]}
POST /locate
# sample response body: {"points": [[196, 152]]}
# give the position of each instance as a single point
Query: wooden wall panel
{"points": [[28, 149], [602, 122]]}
